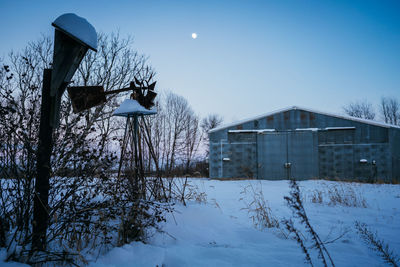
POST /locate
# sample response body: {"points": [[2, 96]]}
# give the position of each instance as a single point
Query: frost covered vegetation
{"points": [[222, 231], [377, 244], [217, 225], [90, 210], [295, 203], [258, 208], [345, 194]]}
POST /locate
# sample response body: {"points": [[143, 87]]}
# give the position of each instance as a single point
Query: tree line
{"points": [[388, 110], [173, 141], [88, 207]]}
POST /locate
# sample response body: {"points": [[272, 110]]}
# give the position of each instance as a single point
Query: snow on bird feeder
{"points": [[131, 107]]}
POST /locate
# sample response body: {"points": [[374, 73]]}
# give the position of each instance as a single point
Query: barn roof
{"points": [[346, 117]]}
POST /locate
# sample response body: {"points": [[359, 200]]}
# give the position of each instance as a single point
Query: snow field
{"points": [[220, 233]]}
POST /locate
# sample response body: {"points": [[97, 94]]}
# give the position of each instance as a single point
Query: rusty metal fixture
{"points": [[85, 97]]}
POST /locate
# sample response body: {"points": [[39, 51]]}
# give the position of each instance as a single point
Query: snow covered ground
{"points": [[220, 232]]}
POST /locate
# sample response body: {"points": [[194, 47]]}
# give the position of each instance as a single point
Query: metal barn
{"points": [[304, 144]]}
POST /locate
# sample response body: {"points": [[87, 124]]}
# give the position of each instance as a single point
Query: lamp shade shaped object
{"points": [[73, 37], [78, 28]]}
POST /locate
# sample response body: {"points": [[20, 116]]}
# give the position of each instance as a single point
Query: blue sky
{"points": [[250, 57]]}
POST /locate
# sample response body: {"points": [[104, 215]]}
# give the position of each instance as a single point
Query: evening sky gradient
{"points": [[250, 57]]}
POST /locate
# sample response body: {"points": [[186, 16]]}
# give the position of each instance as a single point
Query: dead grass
{"points": [[339, 193], [182, 189], [258, 208], [233, 179]]}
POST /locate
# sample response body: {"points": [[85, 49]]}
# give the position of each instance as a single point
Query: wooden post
{"points": [[43, 167]]}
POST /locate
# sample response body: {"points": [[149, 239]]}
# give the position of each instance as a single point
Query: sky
{"points": [[250, 57]]}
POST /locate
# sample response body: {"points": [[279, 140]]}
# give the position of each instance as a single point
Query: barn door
{"points": [[272, 155], [284, 155], [303, 154]]}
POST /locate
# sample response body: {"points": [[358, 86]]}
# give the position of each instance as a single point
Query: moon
{"points": [[194, 35]]}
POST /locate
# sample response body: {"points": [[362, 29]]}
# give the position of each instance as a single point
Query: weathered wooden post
{"points": [[73, 37]]}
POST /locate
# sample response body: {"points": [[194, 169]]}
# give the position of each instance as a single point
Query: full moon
{"points": [[194, 35]]}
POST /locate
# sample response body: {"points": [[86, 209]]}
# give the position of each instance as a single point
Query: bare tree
{"points": [[82, 157], [210, 122], [173, 135], [361, 109], [192, 138], [390, 110]]}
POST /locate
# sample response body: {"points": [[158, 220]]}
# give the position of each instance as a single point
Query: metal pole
{"points": [[135, 140], [123, 147], [222, 164], [141, 168], [43, 167]]}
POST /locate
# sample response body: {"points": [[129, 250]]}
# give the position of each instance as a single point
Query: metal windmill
{"points": [[140, 104]]}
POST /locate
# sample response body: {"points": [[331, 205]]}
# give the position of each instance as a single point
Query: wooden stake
{"points": [[43, 167]]}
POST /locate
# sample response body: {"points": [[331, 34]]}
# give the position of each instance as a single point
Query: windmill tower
{"points": [[140, 104], [130, 154]]}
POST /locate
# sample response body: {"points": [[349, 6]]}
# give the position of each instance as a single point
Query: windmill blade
{"points": [[137, 82], [152, 86]]}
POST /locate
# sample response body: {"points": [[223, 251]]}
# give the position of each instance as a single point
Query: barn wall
{"points": [[235, 157], [335, 153], [395, 150]]}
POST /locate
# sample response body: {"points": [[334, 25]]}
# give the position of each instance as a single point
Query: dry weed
{"points": [[339, 193], [257, 208], [376, 244]]}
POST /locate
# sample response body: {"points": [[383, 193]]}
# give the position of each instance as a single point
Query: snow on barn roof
{"points": [[78, 28], [252, 131], [346, 117], [130, 107]]}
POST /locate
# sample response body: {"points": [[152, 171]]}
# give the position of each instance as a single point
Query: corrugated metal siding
{"points": [[381, 170], [303, 154], [214, 160], [325, 154], [242, 161], [299, 148], [235, 157], [272, 156], [336, 161], [395, 150]]}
